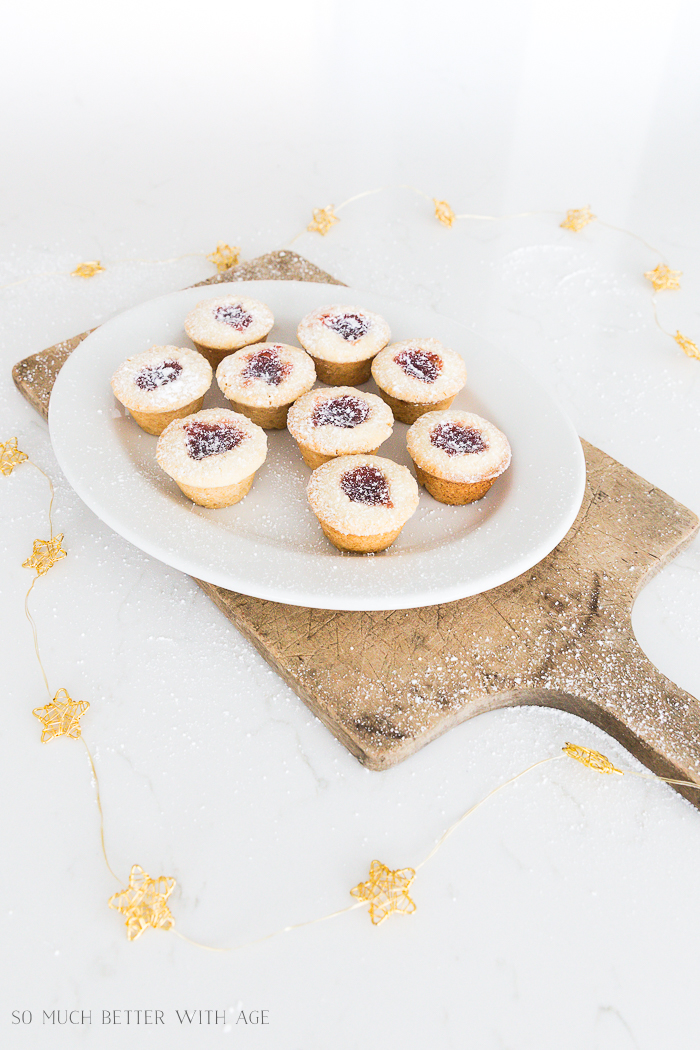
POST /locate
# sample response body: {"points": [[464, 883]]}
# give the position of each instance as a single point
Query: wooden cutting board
{"points": [[387, 683]]}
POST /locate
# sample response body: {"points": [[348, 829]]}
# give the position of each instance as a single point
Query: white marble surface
{"points": [[563, 915]]}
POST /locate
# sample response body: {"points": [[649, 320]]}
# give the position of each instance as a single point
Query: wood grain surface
{"points": [[560, 635]]}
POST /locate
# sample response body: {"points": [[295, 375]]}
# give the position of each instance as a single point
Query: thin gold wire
{"points": [[665, 780], [113, 262], [35, 634], [275, 933], [53, 494], [636, 236], [453, 827], [98, 799], [656, 316], [515, 215]]}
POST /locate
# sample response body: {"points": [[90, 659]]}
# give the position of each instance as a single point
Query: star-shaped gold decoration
{"points": [[61, 717], [591, 759], [386, 891], [144, 903], [10, 456], [324, 218], [225, 257], [577, 218], [443, 212], [88, 269], [45, 554], [664, 278], [687, 345]]}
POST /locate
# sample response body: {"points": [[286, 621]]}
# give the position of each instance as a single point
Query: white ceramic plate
{"points": [[270, 545]]}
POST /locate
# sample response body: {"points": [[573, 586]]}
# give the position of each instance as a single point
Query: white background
{"points": [[565, 913]]}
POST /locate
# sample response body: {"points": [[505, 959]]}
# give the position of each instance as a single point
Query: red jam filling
{"points": [[233, 314], [268, 366], [211, 439], [457, 440], [366, 485], [159, 375], [346, 412], [420, 364], [350, 326]]}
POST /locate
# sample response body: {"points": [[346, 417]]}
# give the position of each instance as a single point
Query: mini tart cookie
{"points": [[362, 502], [217, 327], [458, 455], [342, 341], [212, 455], [162, 384], [338, 421], [263, 381], [417, 376]]}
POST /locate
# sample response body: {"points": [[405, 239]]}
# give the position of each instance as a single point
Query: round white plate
{"points": [[270, 545]]}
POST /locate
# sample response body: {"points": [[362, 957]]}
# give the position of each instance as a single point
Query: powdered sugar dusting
{"points": [[351, 326], [421, 371], [457, 440], [161, 379], [346, 411], [366, 484], [458, 446], [211, 439], [268, 366], [229, 323], [324, 420], [360, 506], [420, 364], [266, 375], [234, 315], [211, 448], [160, 375], [343, 333]]}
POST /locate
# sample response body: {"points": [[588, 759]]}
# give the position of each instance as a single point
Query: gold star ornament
{"points": [[443, 212], [225, 257], [664, 278], [323, 219], [45, 554], [577, 218], [687, 345], [591, 759], [144, 903], [61, 717], [10, 456], [88, 269], [386, 892]]}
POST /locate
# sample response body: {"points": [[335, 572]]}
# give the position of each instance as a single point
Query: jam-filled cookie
{"points": [[218, 327], [263, 381], [417, 376], [362, 502], [162, 384], [342, 341], [458, 455], [338, 421], [212, 455]]}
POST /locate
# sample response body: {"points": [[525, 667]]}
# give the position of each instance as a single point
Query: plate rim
{"points": [[426, 596]]}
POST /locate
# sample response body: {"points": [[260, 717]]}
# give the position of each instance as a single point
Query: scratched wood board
{"points": [[560, 635]]}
